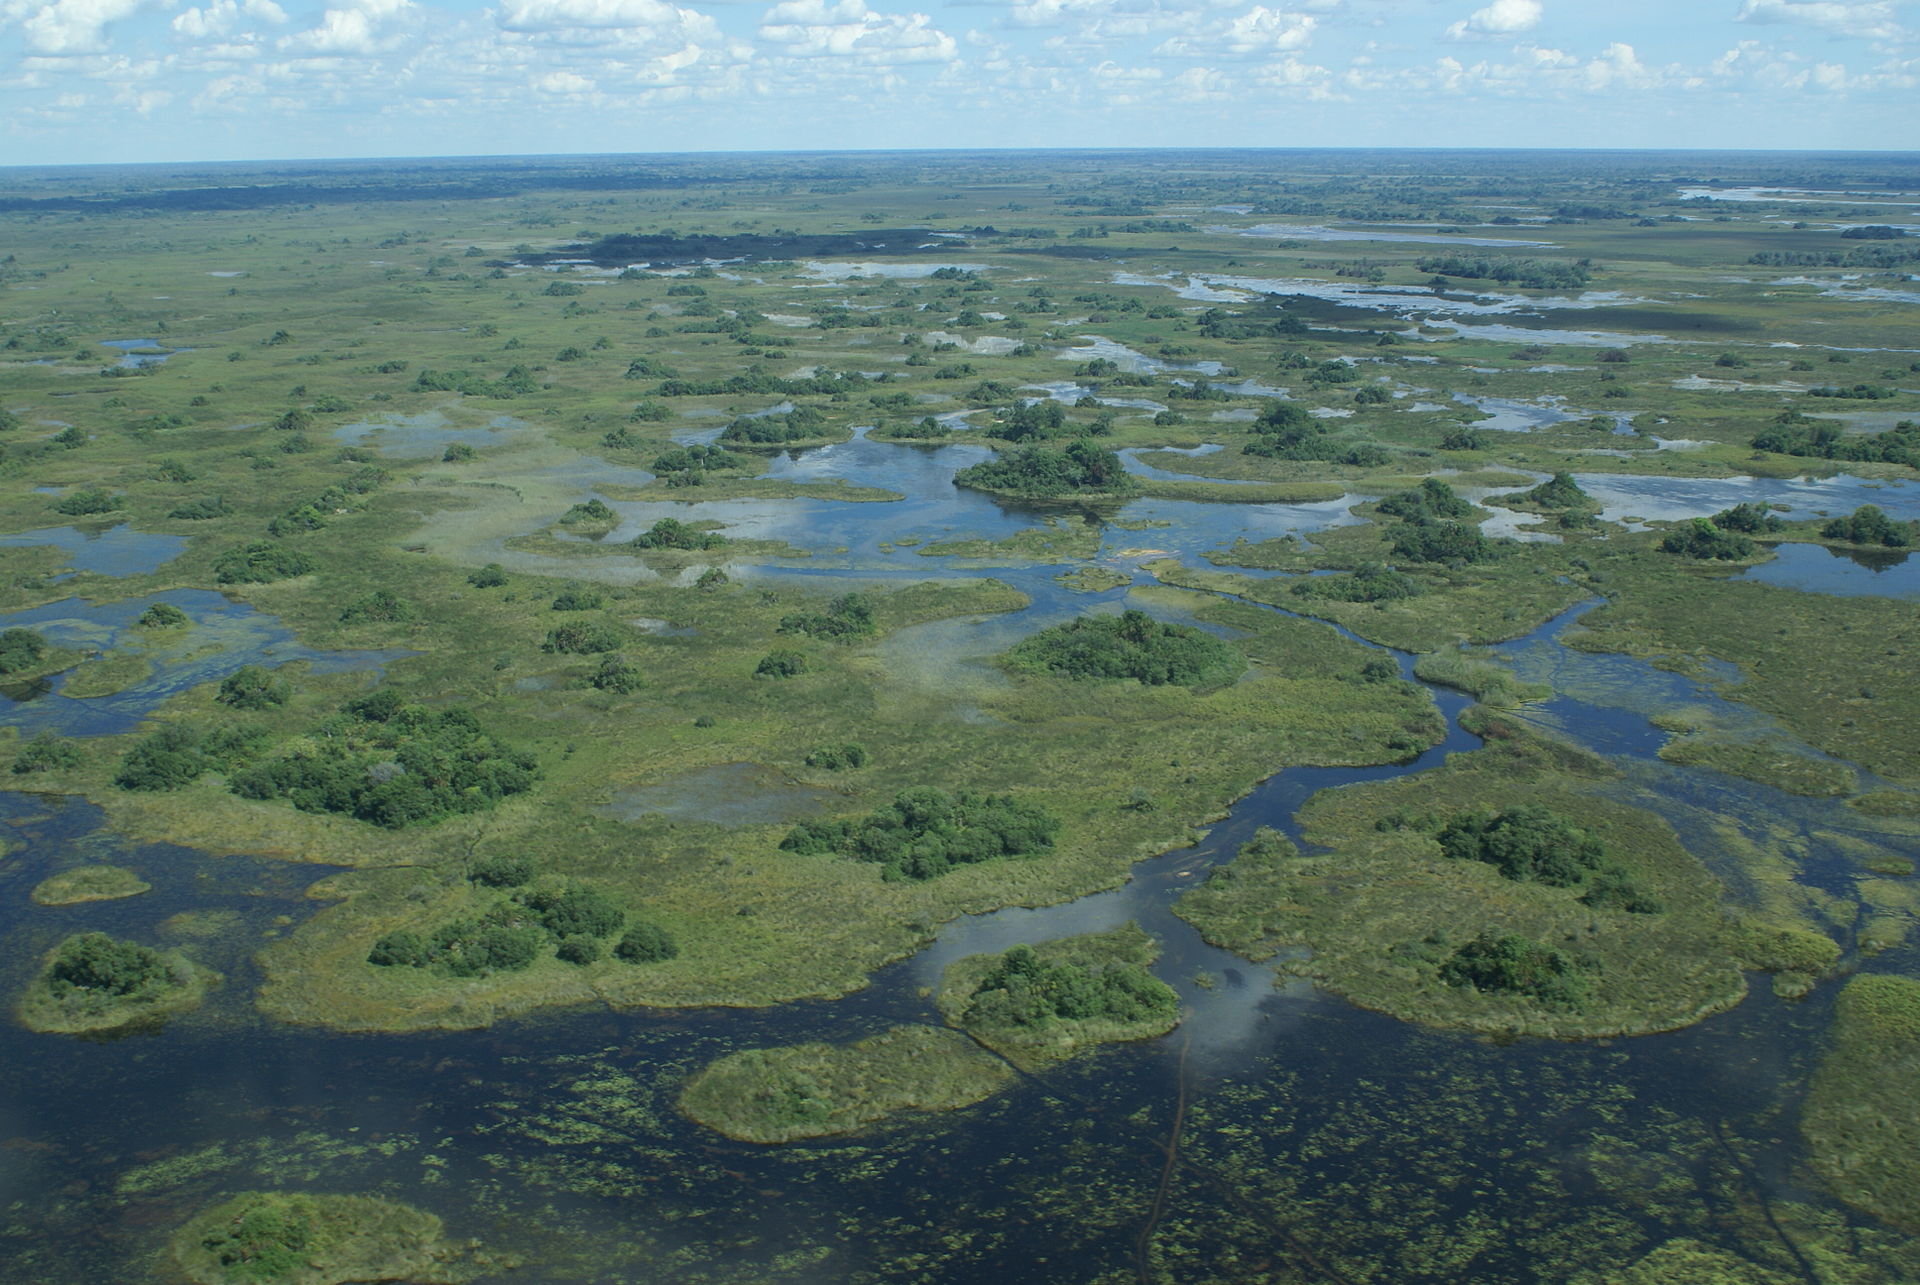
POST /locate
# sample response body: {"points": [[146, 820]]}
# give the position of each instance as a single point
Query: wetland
{"points": [[1289, 803]]}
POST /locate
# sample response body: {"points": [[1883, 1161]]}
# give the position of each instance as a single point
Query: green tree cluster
{"points": [[20, 649], [252, 687], [926, 832], [162, 615], [1131, 645], [1040, 472], [261, 562], [1286, 431], [100, 965], [1747, 518], [838, 758], [393, 764], [847, 617], [1700, 538], [672, 533], [46, 753], [1534, 844], [1431, 501], [1868, 524], [575, 922], [1515, 965], [582, 638], [1023, 990], [1802, 435], [86, 501], [797, 425]]}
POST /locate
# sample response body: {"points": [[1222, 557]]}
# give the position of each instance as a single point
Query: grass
{"points": [[819, 1090], [1858, 1119], [1485, 680], [1383, 908], [89, 883]]}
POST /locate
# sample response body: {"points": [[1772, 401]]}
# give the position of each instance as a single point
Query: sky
{"points": [[91, 81]]}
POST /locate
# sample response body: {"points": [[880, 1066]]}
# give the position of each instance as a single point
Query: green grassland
{"points": [[1864, 1139]]}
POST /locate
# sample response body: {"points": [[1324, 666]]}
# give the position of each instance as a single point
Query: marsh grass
{"points": [[89, 883], [297, 1238], [819, 1090], [1484, 679], [1858, 1119]]}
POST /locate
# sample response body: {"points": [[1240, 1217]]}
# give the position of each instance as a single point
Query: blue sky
{"points": [[153, 80]]}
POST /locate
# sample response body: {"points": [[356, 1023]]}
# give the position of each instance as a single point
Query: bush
{"points": [[1041, 472], [782, 663], [615, 675], [1369, 582], [378, 607], [1446, 542], [457, 453], [251, 687], [835, 758], [261, 562], [502, 871], [162, 615], [1430, 501], [20, 649], [202, 510], [646, 943], [86, 501], [1527, 844], [1131, 645], [575, 912], [582, 638], [581, 950], [579, 599], [96, 962], [1869, 525], [165, 760], [1023, 990], [1516, 965], [1748, 519], [592, 513], [1701, 539], [848, 616], [672, 533], [1463, 439], [491, 576], [926, 832], [46, 753]]}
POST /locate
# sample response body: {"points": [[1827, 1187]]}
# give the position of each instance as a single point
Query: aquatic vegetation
{"points": [[1488, 682], [92, 982], [819, 1090], [1130, 645], [1035, 1005], [297, 1238], [1857, 1119], [89, 883], [927, 832]]}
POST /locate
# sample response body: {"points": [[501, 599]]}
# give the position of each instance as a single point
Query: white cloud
{"points": [[74, 26], [601, 15], [224, 17], [1501, 18], [848, 29], [1866, 19], [1619, 65], [352, 30], [1258, 31], [564, 82]]}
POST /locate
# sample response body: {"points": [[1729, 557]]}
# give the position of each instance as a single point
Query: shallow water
{"points": [[117, 551], [1848, 572], [426, 434], [1624, 496], [1293, 232], [224, 636]]}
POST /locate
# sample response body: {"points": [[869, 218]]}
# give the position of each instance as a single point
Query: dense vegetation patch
{"points": [[93, 982], [1131, 645], [1803, 435], [1514, 965], [1859, 1120], [1532, 844], [255, 688], [847, 617], [1531, 274], [575, 922], [1024, 990], [295, 1238], [672, 533], [1040, 472], [1368, 582], [261, 562], [391, 763], [20, 650], [1433, 501], [926, 832], [46, 752], [1701, 539], [1287, 431], [1869, 524]]}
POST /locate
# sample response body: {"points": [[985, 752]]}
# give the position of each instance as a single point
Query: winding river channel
{"points": [[1278, 1126]]}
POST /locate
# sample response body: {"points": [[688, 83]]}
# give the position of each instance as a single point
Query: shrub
{"points": [[96, 962], [162, 615], [579, 599], [581, 950], [575, 912], [781, 663], [582, 638], [251, 687], [491, 576], [1701, 539], [502, 871], [617, 676], [46, 753], [672, 533], [86, 501], [1369, 582], [261, 562], [165, 760], [1131, 645], [1516, 965], [836, 758], [848, 616], [1528, 844], [1430, 501], [1869, 525], [926, 832], [646, 943], [378, 607], [20, 649]]}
